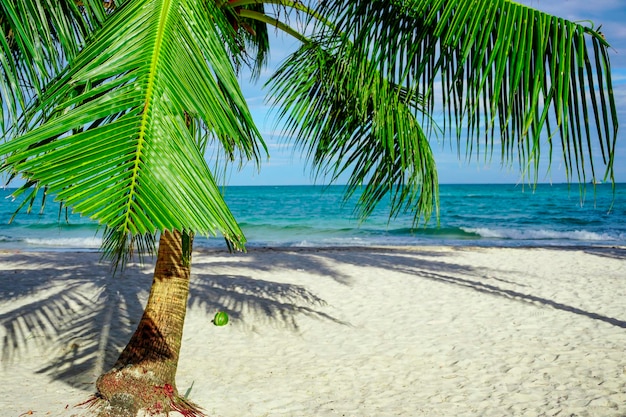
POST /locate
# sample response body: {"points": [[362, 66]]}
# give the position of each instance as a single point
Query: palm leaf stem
{"points": [[294, 5], [273, 22]]}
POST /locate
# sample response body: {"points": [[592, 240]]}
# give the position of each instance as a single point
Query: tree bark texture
{"points": [[144, 376]]}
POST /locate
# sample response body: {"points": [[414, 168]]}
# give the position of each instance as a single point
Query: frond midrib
{"points": [[156, 57]]}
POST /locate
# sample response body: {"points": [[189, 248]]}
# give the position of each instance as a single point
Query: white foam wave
{"points": [[69, 242], [541, 234]]}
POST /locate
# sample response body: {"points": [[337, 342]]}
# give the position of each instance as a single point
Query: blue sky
{"points": [[286, 166]]}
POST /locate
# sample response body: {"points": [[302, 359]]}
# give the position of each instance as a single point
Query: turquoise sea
{"points": [[308, 216]]}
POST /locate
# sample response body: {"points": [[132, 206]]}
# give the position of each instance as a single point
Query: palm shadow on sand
{"points": [[436, 269], [81, 317], [78, 316]]}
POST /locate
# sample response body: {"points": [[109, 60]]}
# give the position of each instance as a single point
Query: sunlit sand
{"points": [[431, 331]]}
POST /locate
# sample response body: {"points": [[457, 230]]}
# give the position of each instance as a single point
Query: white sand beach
{"points": [[429, 331]]}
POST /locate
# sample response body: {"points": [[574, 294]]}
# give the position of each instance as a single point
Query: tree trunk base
{"points": [[126, 391], [143, 378]]}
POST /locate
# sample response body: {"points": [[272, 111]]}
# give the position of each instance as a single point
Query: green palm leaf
{"points": [[113, 137], [350, 118], [508, 74], [253, 34], [38, 38]]}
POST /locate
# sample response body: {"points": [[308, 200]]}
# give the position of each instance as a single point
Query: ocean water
{"points": [[309, 216]]}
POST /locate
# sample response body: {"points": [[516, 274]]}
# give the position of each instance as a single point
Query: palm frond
{"points": [[113, 136], [252, 35], [38, 38], [251, 19], [508, 74], [349, 117]]}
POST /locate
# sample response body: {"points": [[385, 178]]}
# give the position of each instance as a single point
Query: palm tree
{"points": [[110, 106]]}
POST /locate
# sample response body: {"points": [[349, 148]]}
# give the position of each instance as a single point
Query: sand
{"points": [[430, 331]]}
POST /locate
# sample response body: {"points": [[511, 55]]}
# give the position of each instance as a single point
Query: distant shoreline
{"points": [[346, 248], [512, 184]]}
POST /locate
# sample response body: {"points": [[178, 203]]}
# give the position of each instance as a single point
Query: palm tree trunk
{"points": [[144, 375]]}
